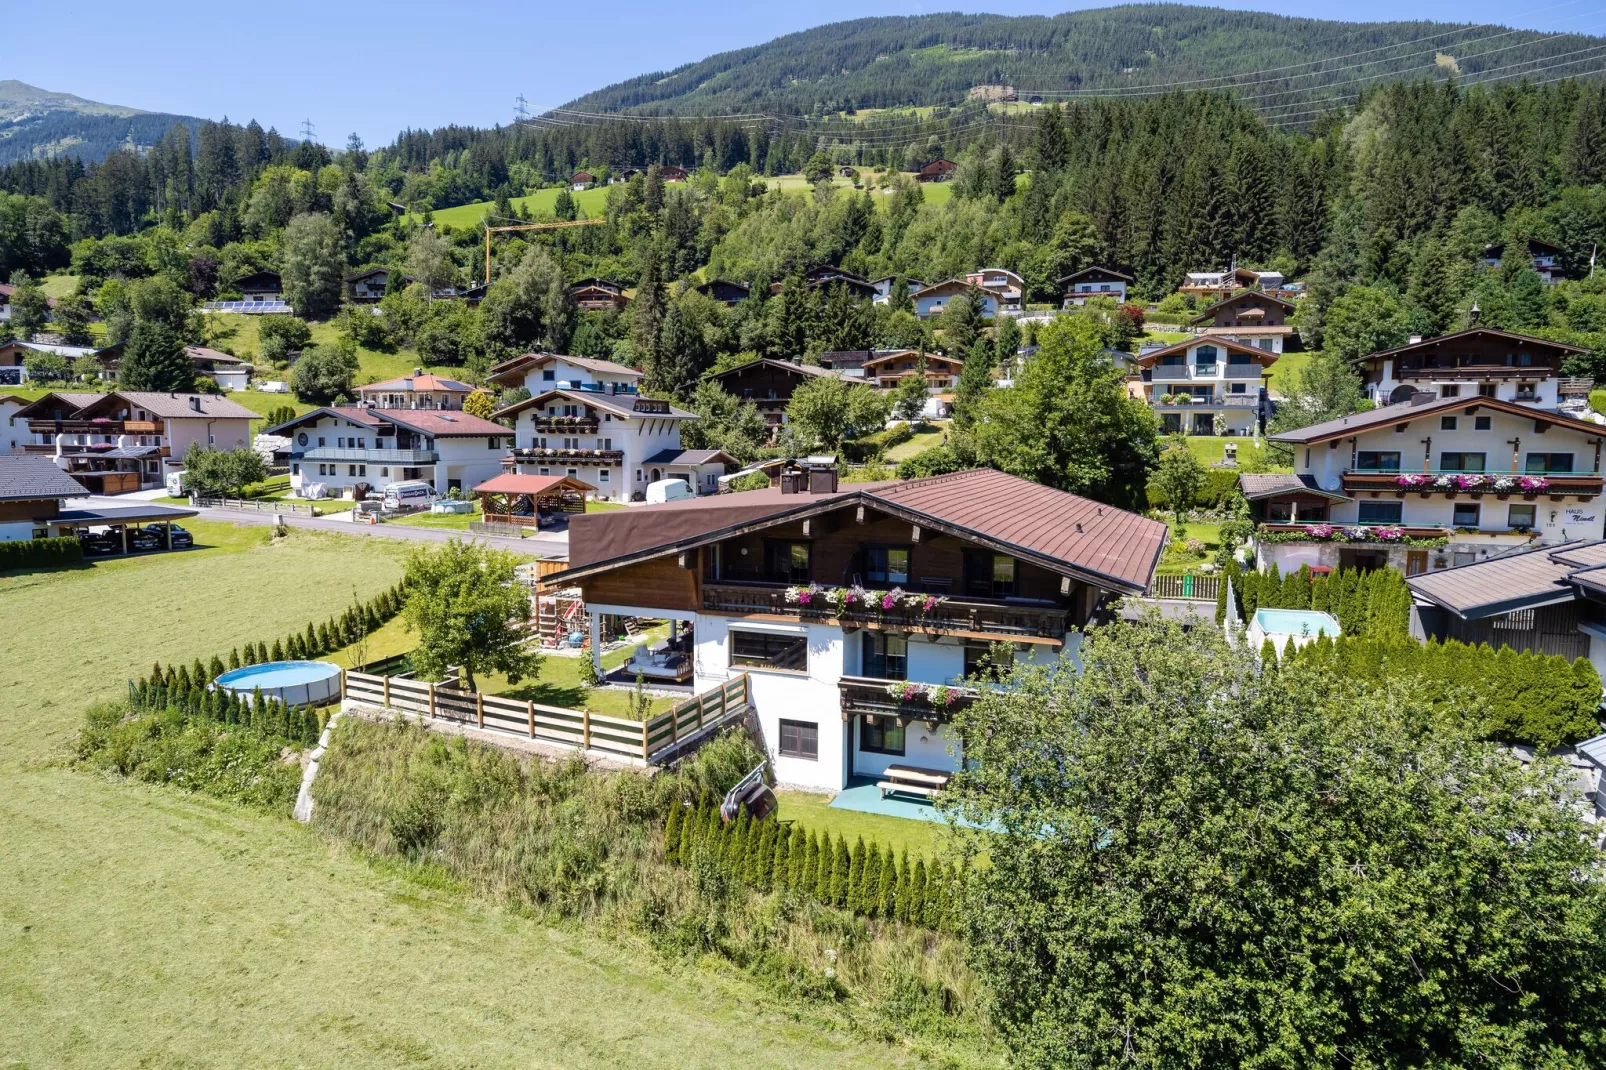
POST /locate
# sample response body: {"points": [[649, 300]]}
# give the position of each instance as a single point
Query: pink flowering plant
{"points": [[1473, 481], [1533, 483], [905, 691], [803, 596], [1320, 531], [1414, 479], [891, 599]]}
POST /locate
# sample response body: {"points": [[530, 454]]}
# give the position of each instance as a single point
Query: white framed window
{"points": [[602, 475]]}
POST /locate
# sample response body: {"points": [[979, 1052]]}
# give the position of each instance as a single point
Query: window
{"points": [[341, 442], [1177, 360], [1450, 390], [1520, 516], [1205, 358], [1527, 392], [1380, 512], [384, 473], [1549, 462], [1482, 423], [976, 658], [362, 469], [768, 650], [1461, 462], [1466, 515], [1239, 388], [881, 736], [546, 471], [1447, 423], [493, 443], [788, 562], [887, 564], [886, 657], [602, 475], [351, 469], [549, 375], [989, 575], [799, 739], [295, 469], [1485, 390], [1377, 460]]}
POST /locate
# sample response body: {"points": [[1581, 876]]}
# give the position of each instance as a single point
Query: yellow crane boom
{"points": [[529, 226]]}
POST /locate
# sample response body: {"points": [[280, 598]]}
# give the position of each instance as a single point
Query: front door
{"points": [[1204, 423], [1416, 562]]}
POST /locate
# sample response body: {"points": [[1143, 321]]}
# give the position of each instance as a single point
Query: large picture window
{"points": [[1380, 512], [1377, 460], [881, 736], [1462, 462], [769, 650], [800, 739], [1549, 462], [989, 575], [788, 562], [886, 657]]}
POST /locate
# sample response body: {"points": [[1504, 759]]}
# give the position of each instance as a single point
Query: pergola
{"points": [[511, 498]]}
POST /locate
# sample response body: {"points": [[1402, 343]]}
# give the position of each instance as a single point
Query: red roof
{"points": [[418, 382], [513, 483]]}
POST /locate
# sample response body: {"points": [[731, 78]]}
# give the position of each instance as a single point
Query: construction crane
{"points": [[529, 226]]}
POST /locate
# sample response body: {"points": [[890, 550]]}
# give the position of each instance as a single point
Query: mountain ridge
{"points": [[37, 122]]}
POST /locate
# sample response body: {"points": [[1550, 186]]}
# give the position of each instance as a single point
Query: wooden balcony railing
{"points": [[932, 703], [1473, 372], [953, 615], [584, 425], [97, 427], [566, 456], [1556, 483]]}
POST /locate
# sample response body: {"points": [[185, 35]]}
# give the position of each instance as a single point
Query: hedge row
{"points": [[40, 553], [1214, 490], [1372, 604], [771, 857], [267, 717], [336, 633], [1531, 698]]}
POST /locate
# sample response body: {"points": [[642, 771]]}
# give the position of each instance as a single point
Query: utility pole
{"points": [[307, 132], [521, 109]]}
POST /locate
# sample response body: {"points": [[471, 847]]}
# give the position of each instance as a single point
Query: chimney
{"points": [[195, 404], [417, 372]]}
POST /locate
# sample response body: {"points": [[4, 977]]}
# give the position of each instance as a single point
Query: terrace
{"points": [[558, 455], [371, 456], [581, 424], [1500, 482], [868, 696]]}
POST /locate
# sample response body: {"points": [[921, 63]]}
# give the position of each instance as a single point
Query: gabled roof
{"points": [[594, 283], [690, 457], [1406, 411], [263, 276], [1228, 344], [775, 362], [1258, 486], [1062, 532], [201, 353], [1537, 577], [1429, 343], [1093, 270], [418, 382], [358, 276], [515, 483], [25, 478], [178, 406], [883, 357], [432, 422], [709, 286], [1247, 295], [620, 405], [950, 286], [71, 400], [526, 361]]}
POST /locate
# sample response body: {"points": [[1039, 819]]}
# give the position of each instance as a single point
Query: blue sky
{"points": [[377, 68]]}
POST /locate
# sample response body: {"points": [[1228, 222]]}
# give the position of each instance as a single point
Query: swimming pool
{"points": [[299, 683], [1297, 622]]}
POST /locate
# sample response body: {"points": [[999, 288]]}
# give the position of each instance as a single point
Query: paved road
{"points": [[544, 544]]}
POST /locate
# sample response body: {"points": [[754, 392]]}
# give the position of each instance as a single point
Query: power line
{"points": [[307, 131]]}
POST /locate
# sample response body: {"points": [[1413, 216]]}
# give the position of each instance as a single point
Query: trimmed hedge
{"points": [[769, 856], [1216, 487], [40, 553], [1507, 696], [1374, 604]]}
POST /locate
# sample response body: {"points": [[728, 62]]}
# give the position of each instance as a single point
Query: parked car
{"points": [[181, 538], [144, 539], [95, 543]]}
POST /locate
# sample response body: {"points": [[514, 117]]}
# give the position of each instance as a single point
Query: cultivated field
{"points": [[146, 927]]}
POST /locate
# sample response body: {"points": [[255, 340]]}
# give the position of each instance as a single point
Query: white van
{"points": [[669, 490], [413, 494]]}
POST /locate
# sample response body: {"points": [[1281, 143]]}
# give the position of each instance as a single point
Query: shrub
{"points": [[40, 553]]}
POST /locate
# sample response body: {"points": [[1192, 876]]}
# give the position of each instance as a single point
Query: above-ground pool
{"points": [[299, 683], [1304, 625]]}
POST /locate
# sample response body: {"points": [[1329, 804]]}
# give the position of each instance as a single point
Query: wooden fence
{"points": [[609, 736], [251, 505], [1190, 587]]}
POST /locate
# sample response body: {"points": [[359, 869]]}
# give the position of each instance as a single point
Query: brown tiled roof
{"points": [[1109, 546], [1430, 406], [217, 357], [530, 360], [441, 424], [418, 382], [178, 407], [514, 483], [1429, 343], [618, 404], [1210, 311], [776, 362], [73, 400], [1506, 584]]}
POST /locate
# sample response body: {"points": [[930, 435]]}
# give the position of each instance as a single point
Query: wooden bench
{"points": [[909, 780]]}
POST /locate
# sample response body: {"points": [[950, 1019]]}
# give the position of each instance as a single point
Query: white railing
{"points": [[376, 456]]}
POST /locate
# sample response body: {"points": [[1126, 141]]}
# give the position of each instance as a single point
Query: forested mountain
{"points": [[35, 122], [936, 59]]}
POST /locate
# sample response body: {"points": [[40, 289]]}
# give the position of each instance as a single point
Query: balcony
{"points": [[1407, 531], [1473, 373], [375, 456], [1170, 373], [1242, 371], [533, 455], [97, 427], [953, 616], [582, 425], [1225, 401], [1476, 484], [863, 695]]}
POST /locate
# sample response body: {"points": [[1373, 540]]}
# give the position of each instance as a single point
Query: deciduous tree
{"points": [[468, 607]]}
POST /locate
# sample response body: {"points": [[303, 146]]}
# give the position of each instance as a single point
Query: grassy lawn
{"points": [[1251, 458], [1176, 562], [237, 334], [1282, 371], [591, 202], [814, 811], [59, 286], [447, 521], [923, 440], [146, 927]]}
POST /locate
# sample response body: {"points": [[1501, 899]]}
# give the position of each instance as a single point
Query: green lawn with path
{"points": [[922, 441], [143, 926]]}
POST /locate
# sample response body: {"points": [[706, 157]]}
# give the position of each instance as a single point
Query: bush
{"points": [[751, 481], [40, 553], [939, 460]]}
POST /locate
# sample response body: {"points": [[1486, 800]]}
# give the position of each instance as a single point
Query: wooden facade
{"points": [[1249, 309]]}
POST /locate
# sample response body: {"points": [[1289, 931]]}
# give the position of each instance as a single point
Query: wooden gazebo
{"points": [[511, 498]]}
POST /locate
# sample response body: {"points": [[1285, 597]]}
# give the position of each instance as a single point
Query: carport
{"points": [[511, 498], [69, 522]]}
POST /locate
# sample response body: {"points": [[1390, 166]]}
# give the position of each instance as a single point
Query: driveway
{"points": [[544, 544]]}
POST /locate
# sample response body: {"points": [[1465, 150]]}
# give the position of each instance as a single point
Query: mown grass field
{"points": [[1251, 458], [237, 334], [814, 812], [922, 441], [145, 927]]}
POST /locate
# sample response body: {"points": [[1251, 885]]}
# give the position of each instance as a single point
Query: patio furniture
{"points": [[910, 780]]}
